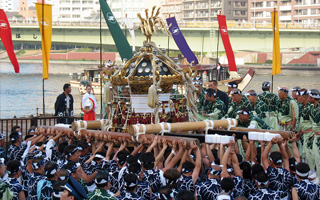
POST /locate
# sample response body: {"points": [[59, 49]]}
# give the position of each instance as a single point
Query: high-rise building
{"points": [[207, 10], [28, 12], [74, 10], [290, 11], [235, 9], [172, 8], [129, 8], [7, 5], [83, 10]]}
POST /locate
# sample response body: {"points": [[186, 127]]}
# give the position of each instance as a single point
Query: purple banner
{"points": [[180, 40]]}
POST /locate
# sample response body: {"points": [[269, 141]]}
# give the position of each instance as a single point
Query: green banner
{"points": [[119, 38]]}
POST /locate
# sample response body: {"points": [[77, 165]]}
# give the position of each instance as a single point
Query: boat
{"points": [[89, 76]]}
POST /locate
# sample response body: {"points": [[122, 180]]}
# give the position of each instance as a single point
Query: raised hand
{"points": [[274, 140], [164, 143], [193, 145], [174, 145], [292, 137]]}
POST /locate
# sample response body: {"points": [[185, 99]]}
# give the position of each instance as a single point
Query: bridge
{"points": [[199, 39]]}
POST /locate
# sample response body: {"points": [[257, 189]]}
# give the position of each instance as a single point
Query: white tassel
{"points": [[108, 93], [152, 96]]}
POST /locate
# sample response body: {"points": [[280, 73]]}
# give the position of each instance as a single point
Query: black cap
{"points": [[76, 189]]}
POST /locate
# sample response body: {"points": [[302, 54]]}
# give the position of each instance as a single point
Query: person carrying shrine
{"points": [[314, 97], [197, 81], [238, 102], [271, 100], [260, 108], [305, 126], [215, 108]]}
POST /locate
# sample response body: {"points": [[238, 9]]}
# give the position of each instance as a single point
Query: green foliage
{"points": [[268, 62], [62, 51], [84, 50], [20, 52], [83, 59]]}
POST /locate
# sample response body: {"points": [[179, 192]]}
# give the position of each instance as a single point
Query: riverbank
{"points": [[21, 94], [262, 69]]}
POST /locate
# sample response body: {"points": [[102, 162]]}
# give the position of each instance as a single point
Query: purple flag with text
{"points": [[181, 41]]}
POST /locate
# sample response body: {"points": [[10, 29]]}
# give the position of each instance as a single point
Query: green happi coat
{"points": [[235, 107], [305, 126], [254, 122], [271, 101], [5, 192], [201, 101], [286, 111], [215, 110], [175, 94], [260, 109], [315, 118], [100, 194], [285, 114]]}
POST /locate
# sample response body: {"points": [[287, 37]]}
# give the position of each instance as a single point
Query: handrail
{"points": [[27, 122], [182, 24]]}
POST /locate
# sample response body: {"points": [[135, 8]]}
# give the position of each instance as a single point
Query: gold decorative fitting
{"points": [[151, 24]]}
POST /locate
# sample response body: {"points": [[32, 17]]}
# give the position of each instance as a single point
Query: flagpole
{"points": [[217, 61], [43, 99], [168, 44], [100, 65]]}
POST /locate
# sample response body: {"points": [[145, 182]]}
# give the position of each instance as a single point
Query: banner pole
{"points": [[43, 98], [168, 47], [274, 26], [100, 65], [272, 84]]}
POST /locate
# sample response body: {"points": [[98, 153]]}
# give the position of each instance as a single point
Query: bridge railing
{"points": [[182, 24]]}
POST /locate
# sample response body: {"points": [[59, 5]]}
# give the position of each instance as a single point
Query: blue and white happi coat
{"points": [[208, 190], [15, 187], [307, 190], [280, 180], [130, 196], [265, 194]]}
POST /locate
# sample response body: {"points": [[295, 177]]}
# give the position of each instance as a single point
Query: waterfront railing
{"points": [[27, 123]]}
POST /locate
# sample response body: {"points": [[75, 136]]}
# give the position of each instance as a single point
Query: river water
{"points": [[21, 94]]}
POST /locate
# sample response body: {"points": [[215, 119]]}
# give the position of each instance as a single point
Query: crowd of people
{"points": [[55, 165]]}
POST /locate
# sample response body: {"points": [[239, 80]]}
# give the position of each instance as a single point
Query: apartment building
{"points": [[7, 5], [27, 11], [306, 12], [74, 10], [207, 10], [172, 8], [129, 8]]}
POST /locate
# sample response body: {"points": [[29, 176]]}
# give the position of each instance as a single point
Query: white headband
{"points": [[99, 156], [57, 194], [316, 96], [223, 197], [302, 174], [102, 181], [262, 183], [52, 172]]}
